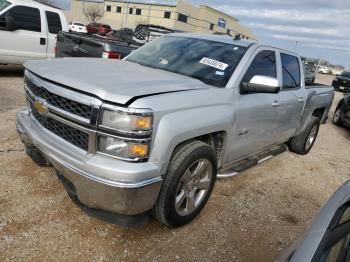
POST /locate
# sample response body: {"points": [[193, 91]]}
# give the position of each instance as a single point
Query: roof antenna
{"points": [[237, 37]]}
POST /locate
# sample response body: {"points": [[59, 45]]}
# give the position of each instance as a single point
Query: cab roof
{"points": [[36, 4], [229, 40]]}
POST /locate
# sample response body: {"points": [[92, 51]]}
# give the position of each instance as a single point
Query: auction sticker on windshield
{"points": [[213, 63]]}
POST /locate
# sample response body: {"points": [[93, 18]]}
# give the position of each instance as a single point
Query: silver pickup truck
{"points": [[149, 134]]}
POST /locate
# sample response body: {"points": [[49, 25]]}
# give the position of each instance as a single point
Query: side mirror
{"points": [[261, 84], [11, 24]]}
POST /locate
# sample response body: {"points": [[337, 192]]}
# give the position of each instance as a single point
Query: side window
{"points": [[290, 71], [54, 22], [264, 64], [27, 18]]}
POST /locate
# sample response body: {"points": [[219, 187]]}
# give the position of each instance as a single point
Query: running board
{"points": [[252, 161]]}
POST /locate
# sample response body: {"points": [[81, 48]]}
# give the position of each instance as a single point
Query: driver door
{"points": [[28, 41], [257, 113]]}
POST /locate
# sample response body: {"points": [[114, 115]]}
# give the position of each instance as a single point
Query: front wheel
{"points": [[302, 143], [187, 185]]}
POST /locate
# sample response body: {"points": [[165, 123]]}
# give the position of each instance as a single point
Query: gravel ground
{"points": [[252, 217]]}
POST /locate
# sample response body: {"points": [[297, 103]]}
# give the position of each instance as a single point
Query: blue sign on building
{"points": [[222, 23]]}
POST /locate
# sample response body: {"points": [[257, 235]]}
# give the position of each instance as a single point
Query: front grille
{"points": [[68, 133], [60, 102]]}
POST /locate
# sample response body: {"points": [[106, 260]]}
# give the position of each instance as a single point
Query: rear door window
{"points": [[53, 22], [27, 18], [290, 71]]}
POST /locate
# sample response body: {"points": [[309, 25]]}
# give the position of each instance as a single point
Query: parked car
{"points": [[77, 27], [309, 75], [77, 45], [151, 131], [328, 237], [324, 70], [28, 30], [342, 113], [97, 28], [342, 82]]}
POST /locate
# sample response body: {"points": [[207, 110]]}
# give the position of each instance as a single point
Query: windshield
{"points": [[345, 74], [4, 4], [211, 62]]}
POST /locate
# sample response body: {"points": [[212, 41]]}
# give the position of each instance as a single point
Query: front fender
{"points": [[180, 126]]}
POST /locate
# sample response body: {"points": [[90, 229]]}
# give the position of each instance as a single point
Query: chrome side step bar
{"points": [[251, 162]]}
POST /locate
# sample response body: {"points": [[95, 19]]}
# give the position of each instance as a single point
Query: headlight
{"points": [[122, 149], [128, 122]]}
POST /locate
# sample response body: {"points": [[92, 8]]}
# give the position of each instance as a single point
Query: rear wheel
{"points": [[337, 116], [302, 143], [187, 185]]}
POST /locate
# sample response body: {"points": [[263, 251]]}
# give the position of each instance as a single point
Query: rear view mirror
{"points": [[261, 84]]}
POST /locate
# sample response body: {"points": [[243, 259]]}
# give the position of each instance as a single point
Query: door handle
{"points": [[276, 103], [243, 132], [42, 41], [301, 99]]}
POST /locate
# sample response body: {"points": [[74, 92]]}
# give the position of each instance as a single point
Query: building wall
{"points": [[150, 14], [201, 19]]}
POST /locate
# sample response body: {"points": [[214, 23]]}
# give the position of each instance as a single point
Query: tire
{"points": [[337, 116], [37, 156], [302, 143], [181, 182]]}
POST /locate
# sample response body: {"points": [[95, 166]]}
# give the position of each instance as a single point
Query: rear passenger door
{"points": [[54, 26], [26, 42], [293, 96]]}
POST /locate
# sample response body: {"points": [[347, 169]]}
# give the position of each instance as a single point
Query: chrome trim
{"points": [[133, 160], [129, 110], [126, 139], [57, 110], [139, 133]]}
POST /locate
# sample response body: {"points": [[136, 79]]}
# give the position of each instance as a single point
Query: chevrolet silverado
{"points": [[147, 135]]}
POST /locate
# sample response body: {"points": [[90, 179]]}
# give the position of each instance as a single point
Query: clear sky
{"points": [[321, 27]]}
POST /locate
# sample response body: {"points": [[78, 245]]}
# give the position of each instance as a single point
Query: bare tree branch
{"points": [[93, 13]]}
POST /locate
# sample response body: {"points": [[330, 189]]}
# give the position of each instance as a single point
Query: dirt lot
{"points": [[249, 218]]}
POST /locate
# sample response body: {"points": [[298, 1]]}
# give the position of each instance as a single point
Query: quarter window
{"points": [[290, 71], [182, 18], [27, 18], [54, 22], [264, 64], [167, 14]]}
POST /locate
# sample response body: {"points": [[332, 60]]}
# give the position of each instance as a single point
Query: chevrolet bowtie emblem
{"points": [[40, 107]]}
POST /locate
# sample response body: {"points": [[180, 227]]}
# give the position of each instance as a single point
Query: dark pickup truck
{"points": [[115, 45], [84, 45]]}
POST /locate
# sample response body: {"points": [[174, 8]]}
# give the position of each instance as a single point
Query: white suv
{"points": [[77, 27]]}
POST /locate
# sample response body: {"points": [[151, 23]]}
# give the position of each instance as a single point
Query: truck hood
{"points": [[112, 80]]}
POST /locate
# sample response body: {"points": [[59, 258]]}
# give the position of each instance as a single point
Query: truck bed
{"points": [[84, 45]]}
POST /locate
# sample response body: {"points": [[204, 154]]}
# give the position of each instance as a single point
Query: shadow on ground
{"points": [[11, 71]]}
